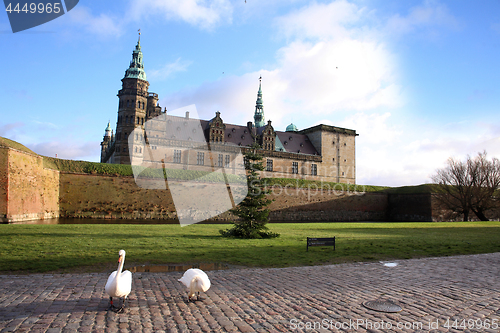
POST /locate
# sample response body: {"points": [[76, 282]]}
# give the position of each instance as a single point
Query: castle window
{"points": [[269, 165], [227, 161], [138, 120], [128, 103], [142, 121], [345, 160], [138, 105], [220, 160], [177, 156], [140, 150], [295, 167], [345, 144], [342, 173], [124, 149], [314, 169], [200, 158]]}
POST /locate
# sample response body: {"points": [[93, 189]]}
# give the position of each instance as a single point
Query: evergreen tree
{"points": [[252, 210]]}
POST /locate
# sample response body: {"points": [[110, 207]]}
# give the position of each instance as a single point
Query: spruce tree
{"points": [[252, 210]]}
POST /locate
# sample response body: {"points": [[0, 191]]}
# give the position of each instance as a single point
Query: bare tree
{"points": [[485, 181], [469, 186]]}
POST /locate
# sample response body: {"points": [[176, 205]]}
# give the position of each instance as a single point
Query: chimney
{"points": [[249, 125], [187, 114]]}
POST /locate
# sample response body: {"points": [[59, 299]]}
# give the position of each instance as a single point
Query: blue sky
{"points": [[418, 80]]}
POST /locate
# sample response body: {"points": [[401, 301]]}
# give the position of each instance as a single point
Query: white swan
{"points": [[119, 283], [195, 280]]}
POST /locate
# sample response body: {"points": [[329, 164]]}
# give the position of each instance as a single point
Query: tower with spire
{"points": [[132, 107], [258, 117]]}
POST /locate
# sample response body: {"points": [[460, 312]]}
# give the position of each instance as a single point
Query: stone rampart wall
{"points": [[28, 191]]}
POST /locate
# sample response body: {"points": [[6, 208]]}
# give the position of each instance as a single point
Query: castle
{"points": [[149, 136]]}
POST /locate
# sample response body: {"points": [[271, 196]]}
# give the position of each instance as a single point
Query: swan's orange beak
{"points": [[119, 259]]}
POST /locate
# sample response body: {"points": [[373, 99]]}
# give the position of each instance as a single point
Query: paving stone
{"points": [[430, 291]]}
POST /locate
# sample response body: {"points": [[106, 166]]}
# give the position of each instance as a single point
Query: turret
{"points": [[106, 142]]}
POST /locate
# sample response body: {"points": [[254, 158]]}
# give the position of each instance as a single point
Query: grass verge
{"points": [[66, 248]]}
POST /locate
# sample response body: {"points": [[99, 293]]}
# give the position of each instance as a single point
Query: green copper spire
{"points": [[136, 68], [259, 107]]}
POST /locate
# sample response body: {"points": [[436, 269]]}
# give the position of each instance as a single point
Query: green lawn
{"points": [[42, 248]]}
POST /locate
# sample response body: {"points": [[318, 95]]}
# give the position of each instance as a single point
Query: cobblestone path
{"points": [[448, 294]]}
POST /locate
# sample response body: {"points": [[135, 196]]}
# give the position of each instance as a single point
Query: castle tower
{"points": [[132, 107], [106, 142], [259, 108]]}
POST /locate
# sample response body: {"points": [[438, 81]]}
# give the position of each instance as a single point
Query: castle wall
{"points": [[4, 182], [29, 191]]}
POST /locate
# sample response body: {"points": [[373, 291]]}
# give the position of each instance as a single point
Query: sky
{"points": [[419, 80]]}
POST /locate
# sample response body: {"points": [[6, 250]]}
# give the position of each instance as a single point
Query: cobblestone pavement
{"points": [[431, 291]]}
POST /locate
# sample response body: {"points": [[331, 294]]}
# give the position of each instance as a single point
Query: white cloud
{"points": [[66, 149], [169, 69], [8, 129], [319, 72], [427, 18], [101, 25], [202, 13], [320, 21]]}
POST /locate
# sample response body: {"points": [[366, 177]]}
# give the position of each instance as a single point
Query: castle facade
{"points": [[147, 135]]}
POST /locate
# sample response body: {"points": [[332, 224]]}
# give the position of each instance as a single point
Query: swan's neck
{"points": [[120, 267]]}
